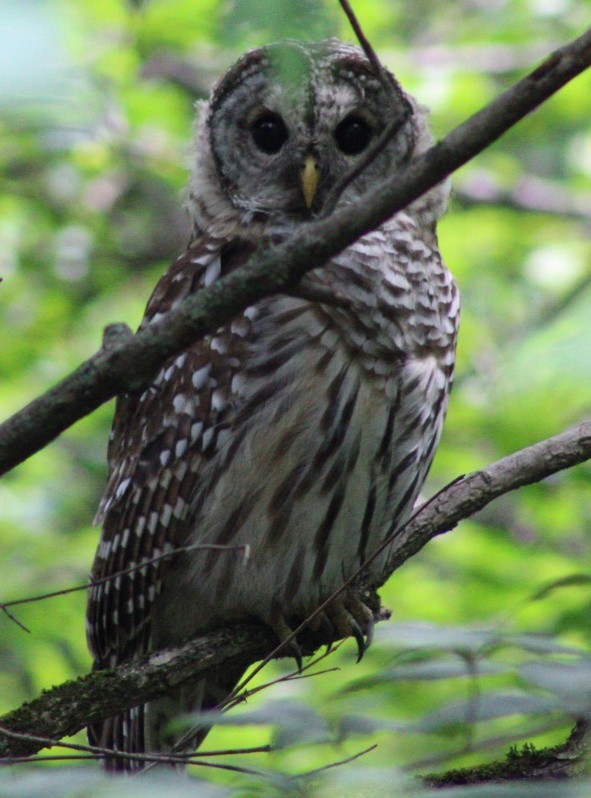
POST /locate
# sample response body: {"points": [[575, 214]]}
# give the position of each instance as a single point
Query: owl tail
{"points": [[145, 729], [125, 733]]}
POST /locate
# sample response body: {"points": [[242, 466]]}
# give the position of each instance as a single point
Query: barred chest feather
{"points": [[327, 425]]}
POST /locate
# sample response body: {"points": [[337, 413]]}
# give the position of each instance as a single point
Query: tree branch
{"points": [[65, 709], [128, 364]]}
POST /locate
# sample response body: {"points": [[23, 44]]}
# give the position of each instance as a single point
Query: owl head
{"points": [[289, 120]]}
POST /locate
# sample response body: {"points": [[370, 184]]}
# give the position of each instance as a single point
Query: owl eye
{"points": [[352, 135], [269, 133]]}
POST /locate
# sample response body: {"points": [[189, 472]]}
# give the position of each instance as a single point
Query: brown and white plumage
{"points": [[301, 429]]}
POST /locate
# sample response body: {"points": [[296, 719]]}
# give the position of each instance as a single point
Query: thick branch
{"points": [[128, 364], [68, 707]]}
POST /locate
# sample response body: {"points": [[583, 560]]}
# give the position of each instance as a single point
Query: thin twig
{"points": [[393, 92], [22, 760], [14, 619], [368, 157], [131, 569], [339, 763], [235, 698], [370, 53], [98, 752]]}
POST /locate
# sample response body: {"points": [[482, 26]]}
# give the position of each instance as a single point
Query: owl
{"points": [[304, 429]]}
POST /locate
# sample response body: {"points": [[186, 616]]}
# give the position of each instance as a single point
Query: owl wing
{"points": [[159, 442]]}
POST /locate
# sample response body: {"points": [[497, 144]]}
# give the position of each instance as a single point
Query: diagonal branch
{"points": [[128, 362], [65, 709]]}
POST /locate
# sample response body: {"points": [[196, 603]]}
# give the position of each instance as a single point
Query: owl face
{"points": [[289, 120]]}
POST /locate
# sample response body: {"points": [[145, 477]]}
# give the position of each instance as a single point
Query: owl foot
{"points": [[348, 616]]}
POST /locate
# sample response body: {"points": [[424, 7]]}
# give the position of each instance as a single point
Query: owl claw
{"points": [[349, 616], [345, 616], [293, 648], [323, 624], [362, 644], [289, 645], [328, 630]]}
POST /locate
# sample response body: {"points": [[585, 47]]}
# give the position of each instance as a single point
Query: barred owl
{"points": [[303, 428]]}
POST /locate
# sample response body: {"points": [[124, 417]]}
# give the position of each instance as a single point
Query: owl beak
{"points": [[309, 177]]}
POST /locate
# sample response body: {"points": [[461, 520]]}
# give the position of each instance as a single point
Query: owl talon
{"points": [[322, 623], [352, 618], [288, 644], [292, 648], [360, 638], [363, 615], [328, 630]]}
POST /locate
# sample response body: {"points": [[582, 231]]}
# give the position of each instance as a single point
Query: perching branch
{"points": [[67, 708], [130, 361]]}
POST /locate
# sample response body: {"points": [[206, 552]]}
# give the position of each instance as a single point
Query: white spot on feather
{"points": [[200, 376], [196, 430], [104, 549], [122, 487], [166, 514], [179, 507], [238, 383], [179, 403], [212, 272], [219, 345], [218, 401], [207, 438]]}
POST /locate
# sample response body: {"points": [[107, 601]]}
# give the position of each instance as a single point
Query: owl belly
{"points": [[322, 473]]}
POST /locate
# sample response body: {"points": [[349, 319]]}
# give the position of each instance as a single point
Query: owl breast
{"points": [[334, 428]]}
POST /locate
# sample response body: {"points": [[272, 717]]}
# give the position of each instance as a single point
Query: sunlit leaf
{"points": [[292, 722], [487, 706], [439, 638], [570, 681], [573, 580], [427, 670]]}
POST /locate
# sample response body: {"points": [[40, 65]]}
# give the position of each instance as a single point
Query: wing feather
{"points": [[158, 444]]}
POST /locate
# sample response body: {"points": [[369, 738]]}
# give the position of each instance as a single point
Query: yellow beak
{"points": [[309, 179]]}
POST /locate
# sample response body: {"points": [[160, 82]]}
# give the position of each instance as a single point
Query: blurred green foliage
{"points": [[96, 108]]}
